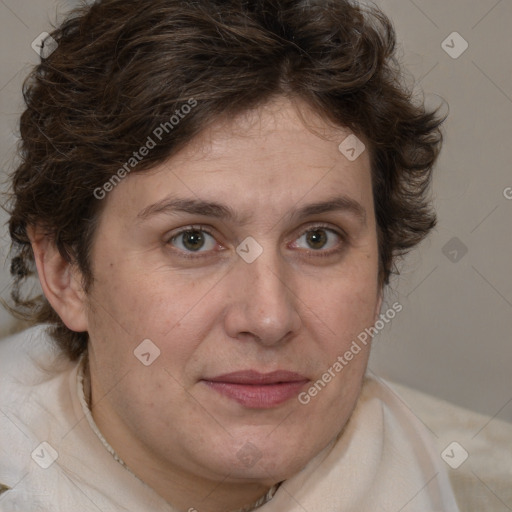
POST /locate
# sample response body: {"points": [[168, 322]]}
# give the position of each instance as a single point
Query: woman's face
{"points": [[249, 260]]}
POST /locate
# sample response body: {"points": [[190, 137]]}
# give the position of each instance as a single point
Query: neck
{"points": [[187, 492], [183, 490]]}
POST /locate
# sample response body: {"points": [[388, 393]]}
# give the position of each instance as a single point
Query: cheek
{"points": [[338, 317], [343, 305], [145, 303], [129, 306]]}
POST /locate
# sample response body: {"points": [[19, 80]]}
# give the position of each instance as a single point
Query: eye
{"points": [[193, 240], [318, 239]]}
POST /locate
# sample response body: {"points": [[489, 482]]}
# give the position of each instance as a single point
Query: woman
{"points": [[214, 195]]}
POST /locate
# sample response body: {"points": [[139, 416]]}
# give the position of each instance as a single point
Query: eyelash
{"points": [[325, 253], [310, 253], [191, 255]]}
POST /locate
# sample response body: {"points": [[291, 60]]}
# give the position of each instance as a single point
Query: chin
{"points": [[270, 464]]}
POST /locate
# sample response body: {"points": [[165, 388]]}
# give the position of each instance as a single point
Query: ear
{"points": [[60, 281]]}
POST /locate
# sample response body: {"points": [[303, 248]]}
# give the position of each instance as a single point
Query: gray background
{"points": [[453, 337]]}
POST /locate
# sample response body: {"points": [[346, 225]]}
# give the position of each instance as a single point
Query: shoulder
{"points": [[29, 357], [406, 438], [398, 415], [32, 371], [390, 398], [30, 365], [34, 377]]}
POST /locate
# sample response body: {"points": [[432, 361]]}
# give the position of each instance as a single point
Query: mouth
{"points": [[256, 390]]}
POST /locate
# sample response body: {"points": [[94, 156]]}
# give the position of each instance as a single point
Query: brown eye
{"points": [[318, 239], [193, 240]]}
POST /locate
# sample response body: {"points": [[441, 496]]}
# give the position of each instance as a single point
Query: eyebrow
{"points": [[171, 205]]}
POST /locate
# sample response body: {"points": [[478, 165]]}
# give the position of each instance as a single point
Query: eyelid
{"points": [[320, 225], [323, 252], [190, 254], [191, 227]]}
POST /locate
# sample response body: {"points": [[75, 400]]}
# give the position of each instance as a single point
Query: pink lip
{"points": [[257, 390]]}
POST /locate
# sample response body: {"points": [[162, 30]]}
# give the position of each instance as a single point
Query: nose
{"points": [[262, 304]]}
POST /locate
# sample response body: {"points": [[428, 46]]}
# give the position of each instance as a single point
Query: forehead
{"points": [[264, 162]]}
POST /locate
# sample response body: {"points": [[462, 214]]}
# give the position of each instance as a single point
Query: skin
{"points": [[296, 307]]}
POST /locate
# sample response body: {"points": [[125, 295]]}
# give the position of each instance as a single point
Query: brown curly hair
{"points": [[123, 67]]}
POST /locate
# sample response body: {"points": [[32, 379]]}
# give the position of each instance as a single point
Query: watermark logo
{"points": [[45, 455], [454, 455], [249, 455], [44, 45], [147, 352], [507, 193], [454, 45], [249, 250], [151, 142], [351, 148], [454, 250]]}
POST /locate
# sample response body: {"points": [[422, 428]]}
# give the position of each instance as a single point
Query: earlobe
{"points": [[60, 281]]}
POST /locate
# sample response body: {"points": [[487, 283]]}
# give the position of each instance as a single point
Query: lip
{"points": [[256, 390]]}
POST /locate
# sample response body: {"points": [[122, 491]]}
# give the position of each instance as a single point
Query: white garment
{"points": [[384, 461]]}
